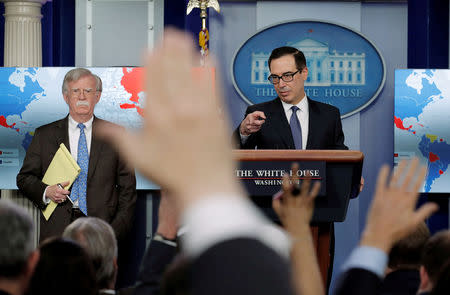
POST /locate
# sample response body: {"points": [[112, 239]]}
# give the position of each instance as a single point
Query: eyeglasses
{"points": [[286, 77], [87, 92]]}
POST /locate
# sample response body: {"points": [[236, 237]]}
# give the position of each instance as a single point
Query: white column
{"points": [[23, 48], [23, 34]]}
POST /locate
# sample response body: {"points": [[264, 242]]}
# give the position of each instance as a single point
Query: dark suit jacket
{"points": [[111, 185], [229, 267], [157, 257], [241, 266], [325, 128], [358, 281], [361, 281], [401, 282]]}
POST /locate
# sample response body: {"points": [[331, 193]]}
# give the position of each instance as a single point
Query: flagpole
{"points": [[203, 35]]}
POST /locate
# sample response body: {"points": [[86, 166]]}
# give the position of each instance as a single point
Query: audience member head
{"points": [[407, 252], [64, 268], [98, 239], [18, 256], [435, 254]]}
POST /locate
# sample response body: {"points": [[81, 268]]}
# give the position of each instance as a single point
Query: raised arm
{"points": [[295, 209]]}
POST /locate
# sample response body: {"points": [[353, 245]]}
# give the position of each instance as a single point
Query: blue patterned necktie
{"points": [[295, 128], [80, 184]]}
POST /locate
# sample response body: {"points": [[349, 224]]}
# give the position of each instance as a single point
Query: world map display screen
{"points": [[422, 123], [32, 97]]}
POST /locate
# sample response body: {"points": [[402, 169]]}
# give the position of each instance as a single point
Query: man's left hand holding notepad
{"points": [[61, 173]]}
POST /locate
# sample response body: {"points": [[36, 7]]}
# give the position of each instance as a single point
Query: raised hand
{"points": [[393, 214], [183, 145]]}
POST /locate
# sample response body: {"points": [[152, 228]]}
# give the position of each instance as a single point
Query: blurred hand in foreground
{"points": [[393, 215], [184, 143]]}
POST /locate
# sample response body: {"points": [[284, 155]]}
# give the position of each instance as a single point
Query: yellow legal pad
{"points": [[62, 168]]}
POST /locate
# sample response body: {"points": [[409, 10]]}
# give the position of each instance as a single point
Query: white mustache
{"points": [[284, 88], [82, 103]]}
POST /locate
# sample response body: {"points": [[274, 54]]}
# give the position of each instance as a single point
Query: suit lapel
{"points": [[314, 124], [96, 148], [281, 125], [62, 133], [62, 136]]}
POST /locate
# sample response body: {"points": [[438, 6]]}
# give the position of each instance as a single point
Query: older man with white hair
{"points": [[105, 187], [98, 239]]}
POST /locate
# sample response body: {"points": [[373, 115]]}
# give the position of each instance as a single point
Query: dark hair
{"points": [[407, 252], [300, 60], [435, 254], [63, 268]]}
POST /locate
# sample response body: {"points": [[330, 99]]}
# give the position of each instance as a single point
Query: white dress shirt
{"points": [[220, 217], [369, 258]]}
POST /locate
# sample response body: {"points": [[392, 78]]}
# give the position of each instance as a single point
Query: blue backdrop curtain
{"points": [[428, 39], [58, 33], [2, 32], [428, 30], [175, 16]]}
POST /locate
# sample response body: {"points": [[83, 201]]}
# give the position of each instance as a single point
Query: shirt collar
{"points": [[302, 105], [73, 124]]}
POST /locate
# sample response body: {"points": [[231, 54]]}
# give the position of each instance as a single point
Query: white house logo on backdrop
{"points": [[345, 69], [327, 68]]}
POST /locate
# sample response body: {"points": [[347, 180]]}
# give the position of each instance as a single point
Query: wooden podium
{"points": [[341, 181]]}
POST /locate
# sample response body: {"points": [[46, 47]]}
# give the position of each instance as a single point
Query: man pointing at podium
{"points": [[105, 187], [292, 120]]}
